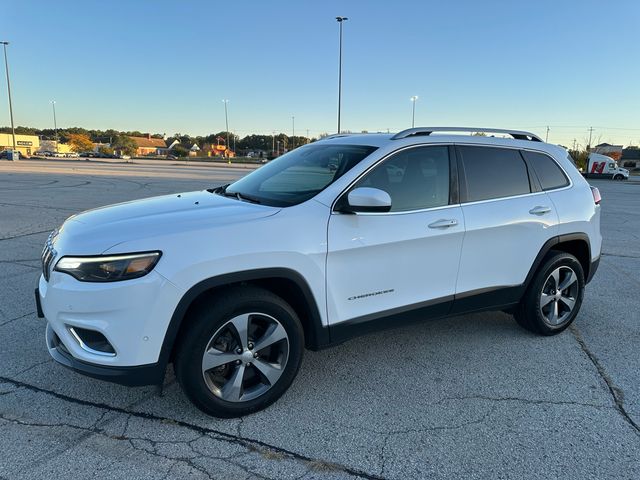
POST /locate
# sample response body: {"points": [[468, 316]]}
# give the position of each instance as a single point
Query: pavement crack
{"points": [[16, 318], [616, 393], [250, 444], [618, 255], [48, 230], [529, 401], [28, 369]]}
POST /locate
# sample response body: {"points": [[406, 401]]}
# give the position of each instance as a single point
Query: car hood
{"points": [[95, 231]]}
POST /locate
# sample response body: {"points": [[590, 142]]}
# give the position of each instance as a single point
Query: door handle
{"points": [[444, 223], [539, 210]]}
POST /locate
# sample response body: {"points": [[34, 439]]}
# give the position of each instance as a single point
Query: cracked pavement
{"points": [[469, 397]]}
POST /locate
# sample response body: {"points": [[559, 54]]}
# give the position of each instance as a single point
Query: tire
{"points": [[618, 177], [220, 380], [546, 310]]}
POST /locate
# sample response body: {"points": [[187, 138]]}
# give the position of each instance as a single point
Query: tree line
{"points": [[119, 139]]}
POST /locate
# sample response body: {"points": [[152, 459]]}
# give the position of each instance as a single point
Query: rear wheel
{"points": [[240, 352], [554, 296], [618, 177]]}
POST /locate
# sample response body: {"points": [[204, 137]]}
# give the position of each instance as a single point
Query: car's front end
{"points": [[102, 290], [103, 312]]}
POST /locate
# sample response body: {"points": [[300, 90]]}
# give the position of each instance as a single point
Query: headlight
{"points": [[109, 268]]}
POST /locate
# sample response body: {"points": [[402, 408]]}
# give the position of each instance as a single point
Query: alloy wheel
{"points": [[245, 357], [559, 295]]}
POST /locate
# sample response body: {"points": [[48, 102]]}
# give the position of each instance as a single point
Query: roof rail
{"points": [[517, 134], [335, 135]]}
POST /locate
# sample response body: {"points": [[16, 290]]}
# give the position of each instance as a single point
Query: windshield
{"points": [[298, 175]]}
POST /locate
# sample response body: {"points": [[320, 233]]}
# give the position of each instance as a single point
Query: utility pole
{"points": [[546, 139], [6, 67], [574, 144], [55, 123], [340, 21], [273, 142], [590, 134], [413, 114], [226, 120], [308, 139], [293, 132]]}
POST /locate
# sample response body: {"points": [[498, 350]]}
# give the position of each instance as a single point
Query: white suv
{"points": [[343, 236]]}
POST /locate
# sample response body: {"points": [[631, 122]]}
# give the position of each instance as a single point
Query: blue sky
{"points": [[166, 66]]}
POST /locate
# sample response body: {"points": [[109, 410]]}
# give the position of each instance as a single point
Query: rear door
{"points": [[384, 263], [507, 218]]}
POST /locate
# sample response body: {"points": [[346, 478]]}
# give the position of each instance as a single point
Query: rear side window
{"points": [[549, 173], [493, 172]]}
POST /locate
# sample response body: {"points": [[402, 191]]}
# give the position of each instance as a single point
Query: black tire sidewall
{"points": [[533, 302], [207, 320]]}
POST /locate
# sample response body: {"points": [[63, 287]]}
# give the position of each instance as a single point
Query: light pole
{"points": [[55, 123], [340, 21], [546, 138], [226, 120], [293, 132], [6, 67], [413, 111]]}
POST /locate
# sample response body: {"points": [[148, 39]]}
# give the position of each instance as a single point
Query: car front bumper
{"points": [[132, 316]]}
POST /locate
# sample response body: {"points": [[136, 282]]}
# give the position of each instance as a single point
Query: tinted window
{"points": [[494, 172], [415, 178], [547, 170], [300, 174]]}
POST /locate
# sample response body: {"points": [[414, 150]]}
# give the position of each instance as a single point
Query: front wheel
{"points": [[554, 296], [239, 352], [618, 177]]}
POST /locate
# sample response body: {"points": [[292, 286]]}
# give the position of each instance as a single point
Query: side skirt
{"points": [[501, 298]]}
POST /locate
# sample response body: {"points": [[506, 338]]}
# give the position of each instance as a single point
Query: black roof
{"points": [[630, 154]]}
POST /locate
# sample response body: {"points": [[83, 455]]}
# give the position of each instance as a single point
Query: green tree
{"points": [[180, 151], [124, 144], [105, 150]]}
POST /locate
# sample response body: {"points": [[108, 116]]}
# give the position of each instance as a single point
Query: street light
{"points": [[293, 132], [340, 21], [413, 114], [226, 120], [55, 123], [6, 67]]}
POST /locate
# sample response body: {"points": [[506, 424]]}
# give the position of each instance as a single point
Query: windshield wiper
{"points": [[238, 196], [246, 198]]}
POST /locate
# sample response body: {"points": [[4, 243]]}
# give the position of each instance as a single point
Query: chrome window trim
{"points": [[371, 167], [427, 144], [525, 162], [564, 172]]}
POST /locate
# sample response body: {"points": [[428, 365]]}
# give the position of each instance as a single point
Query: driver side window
{"points": [[415, 179]]}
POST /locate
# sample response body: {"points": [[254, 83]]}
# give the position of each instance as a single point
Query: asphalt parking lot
{"points": [[470, 397]]}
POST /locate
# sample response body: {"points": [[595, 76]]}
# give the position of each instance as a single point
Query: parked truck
{"points": [[602, 166]]}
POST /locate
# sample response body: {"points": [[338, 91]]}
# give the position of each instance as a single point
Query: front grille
{"points": [[48, 255]]}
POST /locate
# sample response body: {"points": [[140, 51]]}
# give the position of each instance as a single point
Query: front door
{"points": [[384, 263]]}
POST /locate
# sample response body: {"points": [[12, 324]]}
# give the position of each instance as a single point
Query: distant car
{"points": [[72, 155], [44, 153], [171, 157], [5, 154], [57, 155]]}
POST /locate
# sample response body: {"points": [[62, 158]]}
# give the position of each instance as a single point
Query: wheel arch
{"points": [[576, 244], [286, 283]]}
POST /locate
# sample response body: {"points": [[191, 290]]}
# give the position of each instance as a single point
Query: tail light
{"points": [[597, 198]]}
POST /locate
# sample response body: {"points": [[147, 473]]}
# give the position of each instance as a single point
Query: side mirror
{"points": [[366, 199]]}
